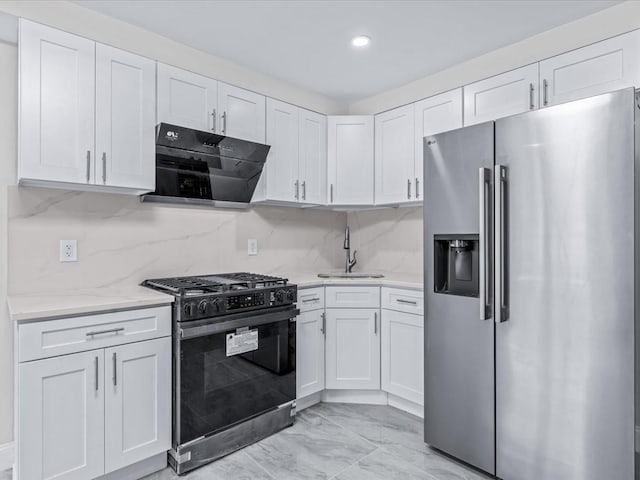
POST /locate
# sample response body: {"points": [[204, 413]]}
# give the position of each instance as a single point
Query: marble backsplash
{"points": [[122, 241], [388, 240]]}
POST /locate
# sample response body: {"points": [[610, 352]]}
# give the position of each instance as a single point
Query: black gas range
{"points": [[206, 296], [234, 367]]}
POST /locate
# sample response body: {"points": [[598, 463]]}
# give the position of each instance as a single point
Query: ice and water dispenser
{"points": [[456, 264]]}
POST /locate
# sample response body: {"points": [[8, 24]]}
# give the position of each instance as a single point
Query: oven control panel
{"points": [[205, 306]]}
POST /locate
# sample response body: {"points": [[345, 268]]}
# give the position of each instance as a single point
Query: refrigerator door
{"points": [[459, 334], [565, 348]]}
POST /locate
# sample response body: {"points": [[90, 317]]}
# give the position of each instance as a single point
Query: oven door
{"points": [[232, 368]]}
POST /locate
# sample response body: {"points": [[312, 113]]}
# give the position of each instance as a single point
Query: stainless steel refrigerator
{"points": [[530, 285]]}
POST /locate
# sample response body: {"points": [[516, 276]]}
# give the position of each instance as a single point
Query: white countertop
{"points": [[35, 306], [30, 307], [397, 280]]}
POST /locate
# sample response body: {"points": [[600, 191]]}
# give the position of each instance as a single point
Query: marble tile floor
{"points": [[341, 442], [333, 441]]}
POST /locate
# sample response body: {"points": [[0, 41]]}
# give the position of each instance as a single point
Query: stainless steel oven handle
{"points": [[217, 325]]}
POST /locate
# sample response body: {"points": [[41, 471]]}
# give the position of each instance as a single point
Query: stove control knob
{"points": [[290, 295], [188, 309], [280, 296], [217, 306], [202, 307]]}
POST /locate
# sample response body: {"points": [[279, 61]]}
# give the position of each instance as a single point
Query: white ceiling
{"points": [[307, 43]]}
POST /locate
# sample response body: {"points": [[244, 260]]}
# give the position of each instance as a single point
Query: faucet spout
{"points": [[349, 262]]}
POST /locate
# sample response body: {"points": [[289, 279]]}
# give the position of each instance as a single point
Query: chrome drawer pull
{"points": [[307, 300], [408, 302], [101, 332]]}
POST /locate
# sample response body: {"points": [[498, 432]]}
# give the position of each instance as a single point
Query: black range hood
{"points": [[202, 168]]}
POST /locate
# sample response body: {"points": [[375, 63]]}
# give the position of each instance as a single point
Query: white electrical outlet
{"points": [[252, 246], [68, 250]]}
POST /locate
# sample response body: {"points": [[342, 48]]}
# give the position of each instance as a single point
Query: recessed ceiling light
{"points": [[360, 41]]}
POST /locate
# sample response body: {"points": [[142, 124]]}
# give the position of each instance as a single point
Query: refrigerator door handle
{"points": [[501, 293], [484, 201]]}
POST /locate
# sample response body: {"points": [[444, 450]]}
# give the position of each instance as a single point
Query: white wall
{"points": [[73, 18], [8, 145], [593, 28]]}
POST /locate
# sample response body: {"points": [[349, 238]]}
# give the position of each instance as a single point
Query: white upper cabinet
{"points": [[506, 94], [87, 114], [350, 160], [394, 158], [281, 176], [436, 114], [125, 119], [56, 106], [242, 113], [599, 68], [313, 157], [187, 99]]}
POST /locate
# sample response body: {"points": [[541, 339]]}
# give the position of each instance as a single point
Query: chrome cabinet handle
{"points": [[296, 185], [407, 302], [224, 123], [545, 88], [88, 166], [408, 188], [307, 300], [484, 185], [214, 119], [331, 193], [375, 323], [95, 362], [304, 190], [417, 188], [501, 313], [115, 370], [531, 105], [101, 332], [323, 329], [104, 167]]}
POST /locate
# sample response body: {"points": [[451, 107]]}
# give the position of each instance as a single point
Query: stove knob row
{"points": [[285, 295]]}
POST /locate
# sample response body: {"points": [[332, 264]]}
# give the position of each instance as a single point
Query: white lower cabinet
{"points": [[403, 355], [89, 413], [61, 417], [310, 353], [353, 349], [137, 402]]}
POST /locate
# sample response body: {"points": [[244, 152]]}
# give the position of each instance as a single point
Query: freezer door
{"points": [[565, 347], [459, 334]]}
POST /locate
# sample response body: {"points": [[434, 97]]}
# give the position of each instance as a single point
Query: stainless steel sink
{"points": [[350, 275]]}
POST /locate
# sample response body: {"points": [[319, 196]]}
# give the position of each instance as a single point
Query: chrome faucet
{"points": [[349, 263]]}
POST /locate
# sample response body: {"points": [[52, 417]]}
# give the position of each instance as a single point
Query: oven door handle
{"points": [[216, 326]]}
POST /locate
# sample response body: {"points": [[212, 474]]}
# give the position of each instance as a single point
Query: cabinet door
{"points": [[434, 115], [599, 68], [310, 331], [137, 402], [61, 417], [350, 160], [187, 99], [403, 355], [125, 119], [503, 95], [57, 110], [242, 113], [313, 157], [282, 181], [353, 349], [394, 172]]}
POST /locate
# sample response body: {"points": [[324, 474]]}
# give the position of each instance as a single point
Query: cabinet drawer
{"points": [[353, 297], [49, 338], [409, 301], [310, 299]]}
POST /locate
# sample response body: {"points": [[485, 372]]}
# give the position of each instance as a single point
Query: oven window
{"points": [[217, 391]]}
